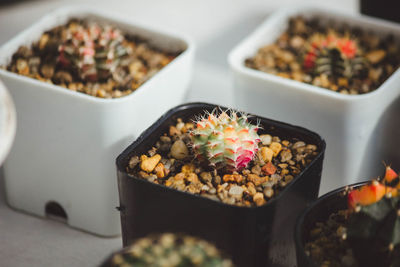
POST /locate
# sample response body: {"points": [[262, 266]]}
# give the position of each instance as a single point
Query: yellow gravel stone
{"points": [[148, 164], [276, 147], [258, 198], [267, 154], [188, 168], [160, 170]]}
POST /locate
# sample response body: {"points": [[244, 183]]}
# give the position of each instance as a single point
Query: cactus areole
{"points": [[373, 227], [225, 139]]}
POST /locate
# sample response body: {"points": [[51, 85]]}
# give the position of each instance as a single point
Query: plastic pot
{"points": [[251, 236], [319, 211]]}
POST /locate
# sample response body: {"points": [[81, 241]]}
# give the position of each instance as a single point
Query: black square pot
{"points": [[251, 236], [319, 211]]}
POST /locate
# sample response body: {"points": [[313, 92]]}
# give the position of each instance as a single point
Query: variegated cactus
{"points": [[93, 50], [224, 140]]}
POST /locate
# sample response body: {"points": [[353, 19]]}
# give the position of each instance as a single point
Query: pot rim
{"points": [[300, 219], [166, 115]]}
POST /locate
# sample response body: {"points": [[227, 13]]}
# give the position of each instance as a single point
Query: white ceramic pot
{"points": [[7, 122], [67, 142], [347, 122]]}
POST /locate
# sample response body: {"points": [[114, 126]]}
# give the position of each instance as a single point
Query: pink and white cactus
{"points": [[224, 140], [93, 50]]}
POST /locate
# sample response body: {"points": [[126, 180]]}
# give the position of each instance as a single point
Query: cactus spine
{"points": [[224, 140], [373, 228]]}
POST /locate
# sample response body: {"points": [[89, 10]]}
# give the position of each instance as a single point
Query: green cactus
{"points": [[169, 250], [334, 56], [374, 232], [373, 227], [224, 140], [330, 62], [92, 50]]}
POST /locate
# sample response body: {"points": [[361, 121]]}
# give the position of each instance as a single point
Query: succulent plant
{"points": [[224, 140], [169, 250], [334, 56], [373, 228], [92, 50]]}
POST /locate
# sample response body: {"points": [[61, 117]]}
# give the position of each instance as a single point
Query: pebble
{"points": [[47, 71], [269, 168], [268, 192], [236, 191], [267, 154], [258, 198], [376, 56], [173, 131], [286, 155], [179, 150], [276, 148], [206, 177], [298, 144], [232, 178], [133, 162], [266, 139], [148, 164], [160, 170], [256, 180], [22, 67], [62, 77]]}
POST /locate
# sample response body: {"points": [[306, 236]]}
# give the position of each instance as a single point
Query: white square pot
{"points": [[67, 142], [7, 122], [347, 122]]}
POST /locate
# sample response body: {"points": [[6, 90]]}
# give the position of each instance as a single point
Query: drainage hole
{"points": [[56, 212]]}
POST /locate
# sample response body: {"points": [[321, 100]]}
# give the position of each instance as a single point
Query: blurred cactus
{"points": [[373, 228], [334, 56], [92, 50], [169, 250]]}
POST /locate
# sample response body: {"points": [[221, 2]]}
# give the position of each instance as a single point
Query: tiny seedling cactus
{"points": [[224, 140], [92, 50], [373, 228], [169, 250]]}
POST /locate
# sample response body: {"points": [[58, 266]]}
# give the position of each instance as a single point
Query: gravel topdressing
{"points": [[170, 162], [91, 58]]}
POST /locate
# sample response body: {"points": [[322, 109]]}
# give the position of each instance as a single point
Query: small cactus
{"points": [[169, 250], [224, 140], [334, 56], [373, 228], [92, 50]]}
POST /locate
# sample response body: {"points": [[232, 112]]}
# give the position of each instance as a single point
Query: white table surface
{"points": [[215, 25]]}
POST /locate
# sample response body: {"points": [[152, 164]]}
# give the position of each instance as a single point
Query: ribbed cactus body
{"points": [[225, 140], [373, 228], [94, 51], [334, 56]]}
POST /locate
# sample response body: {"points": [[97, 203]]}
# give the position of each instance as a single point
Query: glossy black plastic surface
{"points": [[252, 236], [319, 211]]}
